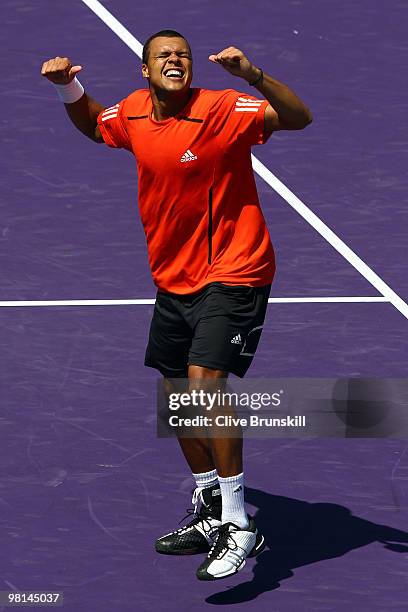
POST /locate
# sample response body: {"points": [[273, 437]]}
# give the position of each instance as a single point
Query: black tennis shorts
{"points": [[218, 327]]}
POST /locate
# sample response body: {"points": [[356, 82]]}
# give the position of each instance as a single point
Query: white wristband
{"points": [[71, 92]]}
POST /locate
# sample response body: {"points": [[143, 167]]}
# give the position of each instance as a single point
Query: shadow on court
{"points": [[298, 533]]}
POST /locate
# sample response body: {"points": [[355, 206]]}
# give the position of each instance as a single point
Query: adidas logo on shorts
{"points": [[237, 339], [188, 156]]}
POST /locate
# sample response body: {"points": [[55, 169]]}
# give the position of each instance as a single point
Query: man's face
{"points": [[169, 64]]}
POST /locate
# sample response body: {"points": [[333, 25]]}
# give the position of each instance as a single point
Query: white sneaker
{"points": [[230, 550]]}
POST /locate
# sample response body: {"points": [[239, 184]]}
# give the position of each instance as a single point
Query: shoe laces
{"points": [[197, 497], [225, 540], [197, 514]]}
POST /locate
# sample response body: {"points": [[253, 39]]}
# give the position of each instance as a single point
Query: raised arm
{"points": [[286, 111], [84, 111]]}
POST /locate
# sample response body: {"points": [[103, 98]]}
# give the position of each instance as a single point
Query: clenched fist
{"points": [[236, 63], [59, 70]]}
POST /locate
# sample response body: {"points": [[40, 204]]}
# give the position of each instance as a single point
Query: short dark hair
{"points": [[165, 33]]}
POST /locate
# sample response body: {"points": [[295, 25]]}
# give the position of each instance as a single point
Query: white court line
{"points": [[132, 302], [336, 242], [301, 208], [115, 26]]}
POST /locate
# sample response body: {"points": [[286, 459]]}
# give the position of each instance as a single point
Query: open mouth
{"points": [[174, 73]]}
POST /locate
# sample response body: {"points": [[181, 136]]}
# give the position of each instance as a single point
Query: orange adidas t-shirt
{"points": [[197, 194]]}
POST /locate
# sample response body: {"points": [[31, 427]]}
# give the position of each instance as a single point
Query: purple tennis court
{"points": [[86, 486]]}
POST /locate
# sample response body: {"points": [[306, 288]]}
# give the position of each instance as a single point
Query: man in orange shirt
{"points": [[209, 250]]}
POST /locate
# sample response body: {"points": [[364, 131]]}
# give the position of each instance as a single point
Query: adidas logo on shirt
{"points": [[188, 156], [247, 105], [237, 339], [110, 113]]}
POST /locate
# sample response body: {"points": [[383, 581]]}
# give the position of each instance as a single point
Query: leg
{"points": [[223, 559], [197, 536], [197, 454], [226, 453], [167, 350], [197, 451], [226, 334], [225, 340]]}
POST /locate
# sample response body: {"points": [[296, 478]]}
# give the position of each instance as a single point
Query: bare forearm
{"points": [[81, 108], [288, 110], [84, 114], [292, 111]]}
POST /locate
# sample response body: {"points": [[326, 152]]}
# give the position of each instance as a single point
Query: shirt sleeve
{"points": [[239, 117], [112, 127]]}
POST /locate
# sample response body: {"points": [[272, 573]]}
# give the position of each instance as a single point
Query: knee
{"points": [[201, 378]]}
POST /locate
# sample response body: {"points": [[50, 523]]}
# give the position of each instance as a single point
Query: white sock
{"points": [[206, 479], [232, 493]]}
